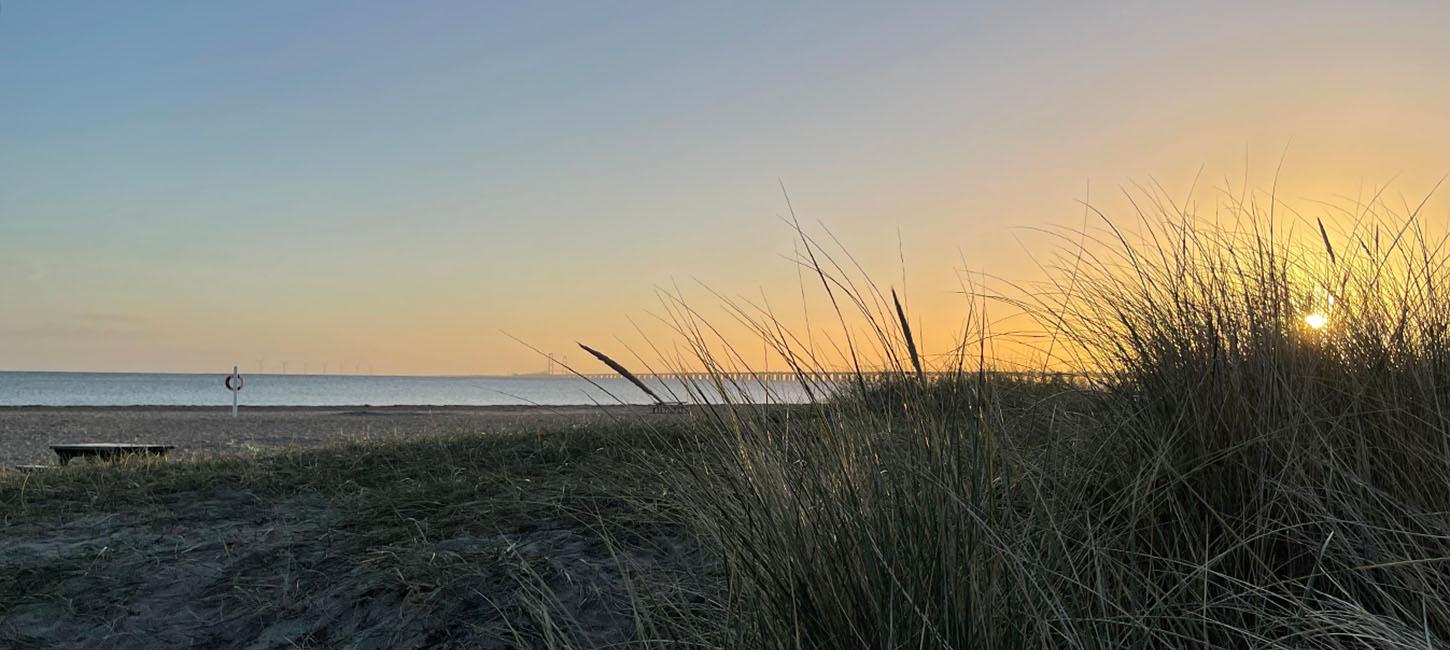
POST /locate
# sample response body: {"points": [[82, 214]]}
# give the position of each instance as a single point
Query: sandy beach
{"points": [[440, 540], [26, 433]]}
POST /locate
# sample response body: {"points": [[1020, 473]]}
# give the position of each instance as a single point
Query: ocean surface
{"points": [[165, 389]]}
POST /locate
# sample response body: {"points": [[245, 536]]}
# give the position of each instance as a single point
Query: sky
{"points": [[389, 187]]}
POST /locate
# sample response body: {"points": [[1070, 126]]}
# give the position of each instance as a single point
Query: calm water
{"points": [[156, 389]]}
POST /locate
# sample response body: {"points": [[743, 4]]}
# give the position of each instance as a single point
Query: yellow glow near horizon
{"points": [[375, 204], [1316, 321]]}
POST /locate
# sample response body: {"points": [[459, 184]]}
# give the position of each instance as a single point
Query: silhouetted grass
{"points": [[1229, 477]]}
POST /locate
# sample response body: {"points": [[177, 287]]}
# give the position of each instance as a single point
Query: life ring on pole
{"points": [[233, 382]]}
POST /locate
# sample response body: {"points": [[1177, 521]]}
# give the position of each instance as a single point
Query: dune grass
{"points": [[1230, 476]]}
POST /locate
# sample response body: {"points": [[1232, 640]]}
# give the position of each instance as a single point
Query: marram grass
{"points": [[1230, 475]]}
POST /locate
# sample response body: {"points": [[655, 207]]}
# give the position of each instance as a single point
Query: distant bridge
{"points": [[836, 376]]}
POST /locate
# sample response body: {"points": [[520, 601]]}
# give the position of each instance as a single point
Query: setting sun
{"points": [[1316, 321]]}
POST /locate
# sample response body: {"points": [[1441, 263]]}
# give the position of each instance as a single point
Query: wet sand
{"points": [[27, 432]]}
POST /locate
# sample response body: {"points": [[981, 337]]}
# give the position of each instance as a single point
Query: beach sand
{"points": [[27, 432]]}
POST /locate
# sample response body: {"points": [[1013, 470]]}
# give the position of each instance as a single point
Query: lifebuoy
{"points": [[233, 382]]}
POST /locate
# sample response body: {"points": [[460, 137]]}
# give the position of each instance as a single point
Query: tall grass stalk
{"points": [[1232, 477]]}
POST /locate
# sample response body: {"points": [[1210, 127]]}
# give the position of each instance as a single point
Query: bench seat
{"points": [[108, 451]]}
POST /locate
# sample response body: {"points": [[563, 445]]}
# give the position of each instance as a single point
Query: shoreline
{"points": [[227, 408], [27, 432]]}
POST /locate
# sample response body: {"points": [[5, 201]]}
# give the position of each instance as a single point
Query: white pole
{"points": [[234, 394]]}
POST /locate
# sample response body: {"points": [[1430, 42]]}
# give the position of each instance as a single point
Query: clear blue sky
{"points": [[185, 185]]}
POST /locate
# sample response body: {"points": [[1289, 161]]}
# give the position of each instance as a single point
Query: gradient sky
{"points": [[188, 185]]}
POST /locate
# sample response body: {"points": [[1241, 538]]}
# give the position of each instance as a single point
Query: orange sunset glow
{"points": [[295, 189]]}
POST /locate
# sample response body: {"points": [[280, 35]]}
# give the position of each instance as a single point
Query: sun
{"points": [[1316, 321]]}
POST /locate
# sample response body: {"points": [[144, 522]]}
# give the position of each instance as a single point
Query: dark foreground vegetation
{"points": [[1254, 452], [1222, 471], [469, 541]]}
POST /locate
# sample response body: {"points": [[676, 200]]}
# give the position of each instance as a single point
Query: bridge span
{"points": [[834, 376]]}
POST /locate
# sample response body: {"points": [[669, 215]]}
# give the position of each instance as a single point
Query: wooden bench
{"points": [[107, 451], [669, 407]]}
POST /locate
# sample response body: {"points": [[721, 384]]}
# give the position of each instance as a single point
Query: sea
{"points": [[176, 389]]}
